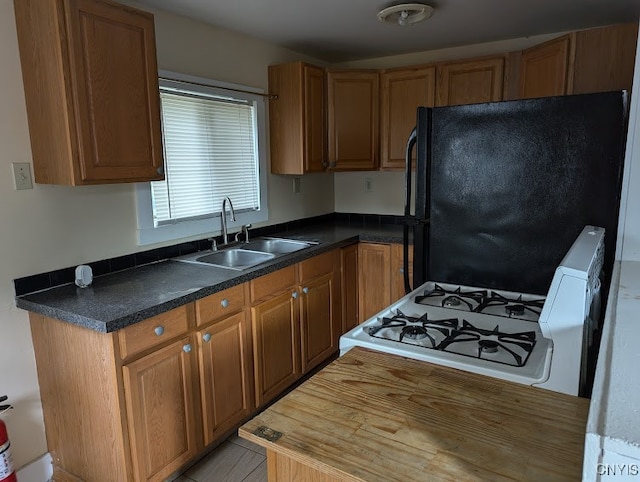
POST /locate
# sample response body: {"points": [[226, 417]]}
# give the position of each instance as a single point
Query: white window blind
{"points": [[211, 152]]}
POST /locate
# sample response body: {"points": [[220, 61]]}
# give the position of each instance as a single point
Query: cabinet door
{"points": [[297, 119], [605, 58], [397, 271], [161, 407], [226, 374], [314, 119], [402, 92], [319, 320], [353, 120], [545, 69], [349, 262], [470, 81], [113, 63], [374, 279], [276, 345]]}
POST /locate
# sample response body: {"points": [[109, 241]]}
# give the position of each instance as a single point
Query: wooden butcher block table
{"points": [[378, 417]]}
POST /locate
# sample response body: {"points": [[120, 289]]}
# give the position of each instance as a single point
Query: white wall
{"points": [[53, 227]]}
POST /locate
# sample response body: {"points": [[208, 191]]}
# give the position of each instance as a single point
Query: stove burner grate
{"points": [[490, 342]]}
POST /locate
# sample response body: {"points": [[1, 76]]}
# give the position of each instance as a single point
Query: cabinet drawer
{"points": [[317, 266], [154, 331], [272, 283], [220, 304]]}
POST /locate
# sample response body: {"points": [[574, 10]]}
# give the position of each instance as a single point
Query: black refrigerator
{"points": [[503, 189]]}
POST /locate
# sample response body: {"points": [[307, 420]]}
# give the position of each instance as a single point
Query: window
{"points": [[213, 148]]}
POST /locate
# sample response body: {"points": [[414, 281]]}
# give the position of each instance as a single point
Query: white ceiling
{"points": [[340, 30]]}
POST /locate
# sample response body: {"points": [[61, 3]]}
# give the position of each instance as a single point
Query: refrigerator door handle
{"points": [[407, 209]]}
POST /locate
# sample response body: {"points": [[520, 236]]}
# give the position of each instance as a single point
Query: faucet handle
{"points": [[244, 229]]}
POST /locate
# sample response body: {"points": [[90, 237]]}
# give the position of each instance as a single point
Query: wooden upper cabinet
{"points": [[91, 86], [353, 120], [605, 58], [297, 122], [470, 81], [402, 92], [546, 69]]}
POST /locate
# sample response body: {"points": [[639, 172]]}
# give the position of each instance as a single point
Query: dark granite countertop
{"points": [[117, 300]]}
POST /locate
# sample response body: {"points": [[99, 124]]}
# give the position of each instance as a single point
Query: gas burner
{"points": [[514, 310], [413, 332], [488, 346], [454, 301]]}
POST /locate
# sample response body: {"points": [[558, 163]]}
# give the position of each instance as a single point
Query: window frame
{"points": [[147, 232]]}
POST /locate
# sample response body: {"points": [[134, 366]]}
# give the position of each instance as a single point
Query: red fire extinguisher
{"points": [[7, 472]]}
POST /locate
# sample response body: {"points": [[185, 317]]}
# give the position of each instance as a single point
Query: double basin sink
{"points": [[242, 256]]}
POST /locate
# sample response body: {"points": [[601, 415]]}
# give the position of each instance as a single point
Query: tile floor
{"points": [[235, 460]]}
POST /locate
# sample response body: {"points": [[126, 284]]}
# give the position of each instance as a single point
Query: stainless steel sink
{"points": [[232, 258], [276, 245], [246, 255]]}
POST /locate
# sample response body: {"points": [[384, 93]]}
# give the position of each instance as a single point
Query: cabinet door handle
{"points": [[305, 290], [206, 337], [294, 295], [158, 330], [186, 348], [224, 303]]}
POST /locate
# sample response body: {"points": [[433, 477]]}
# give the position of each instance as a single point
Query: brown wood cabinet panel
{"points": [[470, 81], [84, 411], [161, 410], [397, 271], [374, 278], [546, 69], [220, 305], [349, 279], [226, 374], [297, 122], [605, 58], [319, 320], [402, 92], [91, 88], [276, 345], [353, 120], [154, 331], [273, 283]]}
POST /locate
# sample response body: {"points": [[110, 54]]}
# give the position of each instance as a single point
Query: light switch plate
{"points": [[21, 175]]}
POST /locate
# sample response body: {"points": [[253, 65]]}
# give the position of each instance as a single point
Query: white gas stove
{"points": [[524, 338]]}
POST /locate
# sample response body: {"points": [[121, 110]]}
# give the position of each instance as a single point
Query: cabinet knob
{"points": [[158, 330], [186, 348], [206, 337], [305, 290], [294, 295], [160, 170], [224, 303]]}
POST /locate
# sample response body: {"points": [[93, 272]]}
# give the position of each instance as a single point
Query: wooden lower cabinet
{"points": [[161, 412], [296, 325], [374, 279], [349, 280], [226, 374], [276, 344]]}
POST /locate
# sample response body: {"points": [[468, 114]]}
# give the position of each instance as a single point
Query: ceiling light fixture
{"points": [[405, 13]]}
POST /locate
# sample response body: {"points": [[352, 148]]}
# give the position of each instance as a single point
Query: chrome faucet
{"points": [[225, 237]]}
